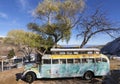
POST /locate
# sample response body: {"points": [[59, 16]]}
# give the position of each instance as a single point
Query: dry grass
{"points": [[8, 77], [115, 64]]}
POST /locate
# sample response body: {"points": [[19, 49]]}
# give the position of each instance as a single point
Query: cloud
{"points": [[32, 13], [24, 4], [2, 36], [3, 15]]}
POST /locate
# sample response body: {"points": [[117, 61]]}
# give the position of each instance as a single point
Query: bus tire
{"points": [[30, 77], [88, 75]]}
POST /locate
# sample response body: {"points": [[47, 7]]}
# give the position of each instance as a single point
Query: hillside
{"points": [[5, 48], [112, 48]]}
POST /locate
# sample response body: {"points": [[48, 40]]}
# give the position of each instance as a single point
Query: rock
{"points": [[112, 48]]}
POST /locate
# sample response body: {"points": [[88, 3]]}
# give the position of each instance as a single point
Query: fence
{"points": [[7, 65]]}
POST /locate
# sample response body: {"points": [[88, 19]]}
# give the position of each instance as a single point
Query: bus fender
{"points": [[28, 71], [88, 75]]}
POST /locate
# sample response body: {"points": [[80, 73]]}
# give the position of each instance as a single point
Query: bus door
{"points": [[58, 68], [46, 68]]}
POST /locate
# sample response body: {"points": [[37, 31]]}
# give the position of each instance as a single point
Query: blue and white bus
{"points": [[63, 63]]}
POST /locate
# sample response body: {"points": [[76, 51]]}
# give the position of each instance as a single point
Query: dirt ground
{"points": [[8, 77], [115, 64]]}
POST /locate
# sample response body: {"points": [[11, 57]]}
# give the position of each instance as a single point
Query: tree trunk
{"points": [[83, 44]]}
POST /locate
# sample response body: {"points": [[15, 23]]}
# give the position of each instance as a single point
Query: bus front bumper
{"points": [[19, 76]]}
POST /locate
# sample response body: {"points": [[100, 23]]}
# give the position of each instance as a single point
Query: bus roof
{"points": [[75, 49]]}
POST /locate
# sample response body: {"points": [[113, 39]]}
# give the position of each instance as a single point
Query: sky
{"points": [[16, 14]]}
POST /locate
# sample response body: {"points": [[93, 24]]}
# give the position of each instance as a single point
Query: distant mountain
{"points": [[94, 46], [112, 48], [5, 48]]}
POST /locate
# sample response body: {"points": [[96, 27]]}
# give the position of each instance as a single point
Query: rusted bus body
{"points": [[63, 63]]}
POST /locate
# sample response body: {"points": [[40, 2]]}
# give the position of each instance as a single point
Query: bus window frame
{"points": [[85, 60], [46, 59], [69, 53], [61, 53], [91, 61], [83, 52], [61, 62], [67, 62], [104, 60], [98, 61], [55, 53], [90, 52], [96, 52], [75, 52], [54, 60], [79, 61]]}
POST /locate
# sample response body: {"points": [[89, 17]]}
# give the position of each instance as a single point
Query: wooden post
{"points": [[2, 65]]}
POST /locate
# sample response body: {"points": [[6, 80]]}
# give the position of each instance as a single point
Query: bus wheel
{"points": [[88, 75], [29, 77]]}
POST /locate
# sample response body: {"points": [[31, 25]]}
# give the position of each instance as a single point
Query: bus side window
{"points": [[55, 53], [62, 61], [69, 53], [75, 53], [104, 60], [62, 53], [84, 52], [90, 52], [46, 61], [98, 60], [91, 60], [70, 61], [76, 61], [84, 60], [55, 61], [96, 52]]}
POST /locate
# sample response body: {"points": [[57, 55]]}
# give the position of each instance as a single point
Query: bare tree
{"points": [[94, 24]]}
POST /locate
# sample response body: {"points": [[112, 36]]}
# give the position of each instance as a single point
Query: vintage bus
{"points": [[63, 63]]}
